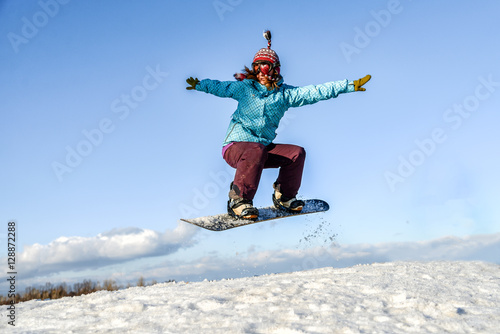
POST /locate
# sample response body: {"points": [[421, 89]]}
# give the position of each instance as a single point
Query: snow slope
{"points": [[400, 297]]}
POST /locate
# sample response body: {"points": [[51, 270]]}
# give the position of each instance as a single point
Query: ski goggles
{"points": [[266, 67]]}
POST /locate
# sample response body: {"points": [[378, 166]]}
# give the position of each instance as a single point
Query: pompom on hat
{"points": [[264, 55], [267, 54]]}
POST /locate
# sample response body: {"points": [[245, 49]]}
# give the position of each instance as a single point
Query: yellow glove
{"points": [[192, 83], [360, 82]]}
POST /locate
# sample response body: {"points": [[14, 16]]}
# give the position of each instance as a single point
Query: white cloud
{"points": [[477, 248], [115, 246], [122, 245]]}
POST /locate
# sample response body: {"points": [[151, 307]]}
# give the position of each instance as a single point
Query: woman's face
{"points": [[262, 78], [263, 70]]}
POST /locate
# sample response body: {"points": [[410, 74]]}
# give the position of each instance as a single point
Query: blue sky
{"points": [[99, 136]]}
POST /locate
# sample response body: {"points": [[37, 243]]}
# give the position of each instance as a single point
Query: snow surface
{"points": [[400, 297]]}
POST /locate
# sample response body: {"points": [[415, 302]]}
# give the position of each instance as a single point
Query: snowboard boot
{"points": [[239, 207], [284, 203], [242, 209]]}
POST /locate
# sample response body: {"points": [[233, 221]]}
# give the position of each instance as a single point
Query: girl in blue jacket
{"points": [[263, 99]]}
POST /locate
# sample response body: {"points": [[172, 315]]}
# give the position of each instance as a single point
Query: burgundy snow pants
{"points": [[250, 159]]}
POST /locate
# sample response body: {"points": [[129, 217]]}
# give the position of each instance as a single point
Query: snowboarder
{"points": [[248, 147]]}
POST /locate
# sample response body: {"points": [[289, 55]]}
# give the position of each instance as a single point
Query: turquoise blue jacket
{"points": [[260, 110]]}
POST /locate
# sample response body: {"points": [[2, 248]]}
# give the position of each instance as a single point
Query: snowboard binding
{"points": [[242, 209]]}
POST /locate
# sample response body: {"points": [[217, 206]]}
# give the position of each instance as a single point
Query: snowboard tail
{"points": [[224, 222]]}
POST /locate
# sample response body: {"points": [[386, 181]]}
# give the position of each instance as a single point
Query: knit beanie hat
{"points": [[267, 54], [264, 54]]}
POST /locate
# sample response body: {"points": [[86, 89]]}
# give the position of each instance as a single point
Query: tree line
{"points": [[50, 291]]}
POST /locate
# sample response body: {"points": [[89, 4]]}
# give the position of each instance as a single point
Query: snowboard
{"points": [[224, 222]]}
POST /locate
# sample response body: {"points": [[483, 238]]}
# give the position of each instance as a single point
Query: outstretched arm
{"points": [[299, 96], [215, 87]]}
